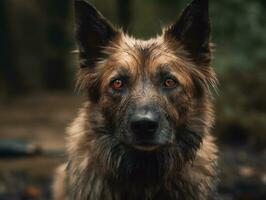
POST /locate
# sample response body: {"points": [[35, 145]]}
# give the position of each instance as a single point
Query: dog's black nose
{"points": [[144, 126]]}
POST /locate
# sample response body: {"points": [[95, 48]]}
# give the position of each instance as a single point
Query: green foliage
{"points": [[239, 32]]}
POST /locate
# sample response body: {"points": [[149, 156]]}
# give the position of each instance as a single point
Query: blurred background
{"points": [[37, 98]]}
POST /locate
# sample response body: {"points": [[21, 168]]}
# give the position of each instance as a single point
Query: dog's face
{"points": [[145, 91], [151, 94]]}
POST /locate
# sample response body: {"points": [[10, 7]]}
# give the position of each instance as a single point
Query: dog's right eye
{"points": [[170, 83], [117, 84]]}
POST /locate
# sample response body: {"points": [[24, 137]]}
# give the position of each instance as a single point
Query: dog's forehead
{"points": [[136, 53], [144, 47]]}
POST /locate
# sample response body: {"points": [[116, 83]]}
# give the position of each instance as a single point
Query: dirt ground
{"points": [[42, 119]]}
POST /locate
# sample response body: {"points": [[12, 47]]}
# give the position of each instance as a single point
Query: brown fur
{"points": [[101, 162]]}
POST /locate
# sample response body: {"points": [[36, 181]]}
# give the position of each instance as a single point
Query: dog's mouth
{"points": [[145, 141], [146, 146]]}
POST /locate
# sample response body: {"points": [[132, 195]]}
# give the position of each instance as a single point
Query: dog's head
{"points": [[153, 95]]}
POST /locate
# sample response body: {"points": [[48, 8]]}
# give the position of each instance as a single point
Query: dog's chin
{"points": [[142, 164]]}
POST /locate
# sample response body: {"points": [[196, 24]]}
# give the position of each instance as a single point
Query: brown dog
{"points": [[144, 132]]}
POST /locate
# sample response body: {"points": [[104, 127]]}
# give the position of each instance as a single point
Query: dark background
{"points": [[37, 76]]}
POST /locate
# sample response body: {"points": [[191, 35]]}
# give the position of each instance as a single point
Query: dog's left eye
{"points": [[117, 84], [170, 83]]}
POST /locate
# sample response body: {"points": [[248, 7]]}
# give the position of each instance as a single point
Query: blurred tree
{"points": [[125, 13], [56, 75], [9, 73], [239, 30]]}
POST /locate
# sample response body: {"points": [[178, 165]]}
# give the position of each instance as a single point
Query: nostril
{"points": [[144, 126]]}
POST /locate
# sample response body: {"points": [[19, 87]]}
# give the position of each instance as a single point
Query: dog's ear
{"points": [[192, 30], [93, 33]]}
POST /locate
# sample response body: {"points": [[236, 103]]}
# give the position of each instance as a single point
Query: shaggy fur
{"points": [[103, 159]]}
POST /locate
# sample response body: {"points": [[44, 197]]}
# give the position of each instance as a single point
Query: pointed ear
{"points": [[192, 30], [93, 33]]}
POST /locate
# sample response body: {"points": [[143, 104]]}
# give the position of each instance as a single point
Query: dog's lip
{"points": [[146, 146]]}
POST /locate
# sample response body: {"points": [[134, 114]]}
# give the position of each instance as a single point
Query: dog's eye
{"points": [[117, 84], [170, 83]]}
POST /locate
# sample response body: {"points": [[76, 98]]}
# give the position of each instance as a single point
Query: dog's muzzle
{"points": [[144, 125]]}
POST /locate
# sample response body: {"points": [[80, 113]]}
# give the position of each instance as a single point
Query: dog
{"points": [[145, 131]]}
